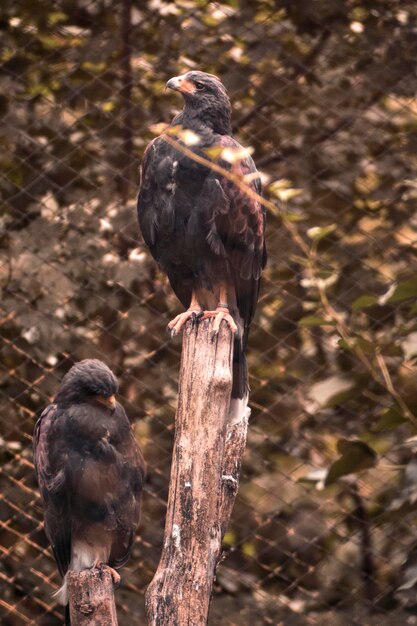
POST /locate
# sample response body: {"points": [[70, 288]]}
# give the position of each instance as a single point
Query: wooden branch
{"points": [[91, 598], [126, 104], [204, 480]]}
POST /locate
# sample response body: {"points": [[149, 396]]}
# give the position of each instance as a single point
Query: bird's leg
{"points": [[221, 313], [193, 312], [115, 576]]}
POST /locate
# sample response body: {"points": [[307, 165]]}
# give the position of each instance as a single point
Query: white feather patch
{"points": [[83, 556], [237, 410]]}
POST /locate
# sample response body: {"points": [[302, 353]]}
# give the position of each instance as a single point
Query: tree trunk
{"points": [[204, 480]]}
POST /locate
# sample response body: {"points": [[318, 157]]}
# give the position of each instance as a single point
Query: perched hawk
{"points": [[90, 472], [204, 230]]}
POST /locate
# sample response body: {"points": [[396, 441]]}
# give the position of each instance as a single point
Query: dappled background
{"points": [[324, 528]]}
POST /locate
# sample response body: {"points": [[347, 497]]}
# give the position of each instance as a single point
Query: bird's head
{"points": [[87, 380], [206, 100]]}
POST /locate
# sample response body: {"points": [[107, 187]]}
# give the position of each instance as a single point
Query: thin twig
{"points": [[390, 387], [379, 374]]}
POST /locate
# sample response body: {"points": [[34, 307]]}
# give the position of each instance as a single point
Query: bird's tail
{"points": [[61, 596], [240, 386]]}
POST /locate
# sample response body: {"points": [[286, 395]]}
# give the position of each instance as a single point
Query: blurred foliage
{"points": [[324, 91]]}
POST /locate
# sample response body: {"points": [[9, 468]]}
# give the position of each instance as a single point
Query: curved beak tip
{"points": [[172, 83], [181, 84]]}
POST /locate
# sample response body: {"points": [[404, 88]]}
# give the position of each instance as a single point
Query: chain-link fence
{"points": [[323, 529]]}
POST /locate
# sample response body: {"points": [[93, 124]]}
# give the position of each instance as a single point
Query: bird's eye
{"points": [[199, 86]]}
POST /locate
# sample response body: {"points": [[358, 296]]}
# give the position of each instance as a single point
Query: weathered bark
{"points": [[232, 461], [204, 479], [91, 598]]}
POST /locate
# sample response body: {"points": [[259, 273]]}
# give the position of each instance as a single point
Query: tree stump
{"points": [[91, 598], [204, 480]]}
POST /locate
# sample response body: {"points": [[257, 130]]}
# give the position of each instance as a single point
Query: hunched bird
{"points": [[90, 472]]}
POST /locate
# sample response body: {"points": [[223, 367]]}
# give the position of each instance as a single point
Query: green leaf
{"points": [[214, 152], [300, 260], [158, 129], [56, 17], [369, 347], [293, 217], [319, 232], [187, 136], [404, 290], [249, 549], [287, 194], [96, 68], [326, 274], [391, 349], [366, 346], [356, 456], [315, 320], [362, 302], [229, 538], [234, 155], [390, 419], [108, 106], [283, 190], [50, 42]]}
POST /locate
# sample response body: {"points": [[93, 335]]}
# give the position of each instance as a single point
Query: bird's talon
{"points": [[220, 314], [117, 580], [181, 320], [100, 565], [197, 315]]}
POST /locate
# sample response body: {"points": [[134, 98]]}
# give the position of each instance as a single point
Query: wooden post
{"points": [[204, 479], [91, 598]]}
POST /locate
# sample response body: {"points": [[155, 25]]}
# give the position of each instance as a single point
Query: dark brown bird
{"points": [[205, 232], [90, 472]]}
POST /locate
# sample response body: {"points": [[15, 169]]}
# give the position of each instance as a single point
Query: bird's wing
{"points": [[154, 204], [146, 205], [48, 481], [130, 514], [240, 224], [52, 486], [131, 476]]}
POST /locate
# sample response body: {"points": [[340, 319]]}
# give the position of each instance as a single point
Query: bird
{"points": [[90, 472], [203, 228]]}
